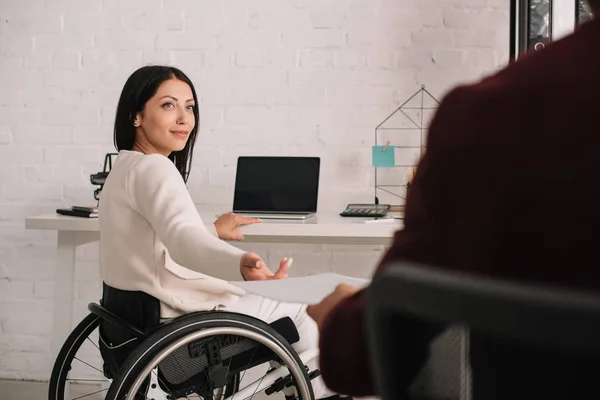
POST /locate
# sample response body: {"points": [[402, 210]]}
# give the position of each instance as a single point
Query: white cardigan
{"points": [[152, 239]]}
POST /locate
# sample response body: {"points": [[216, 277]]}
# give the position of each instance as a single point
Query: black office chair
{"points": [[525, 341]]}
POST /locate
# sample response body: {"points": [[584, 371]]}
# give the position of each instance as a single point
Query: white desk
{"points": [[74, 231]]}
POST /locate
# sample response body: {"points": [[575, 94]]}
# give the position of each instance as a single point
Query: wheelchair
{"points": [[208, 355]]}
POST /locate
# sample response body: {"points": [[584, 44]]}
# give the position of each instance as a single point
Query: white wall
{"points": [[301, 77]]}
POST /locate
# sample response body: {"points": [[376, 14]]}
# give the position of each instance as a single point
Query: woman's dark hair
{"points": [[594, 4], [138, 89]]}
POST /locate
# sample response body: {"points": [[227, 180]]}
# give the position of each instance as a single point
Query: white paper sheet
{"points": [[307, 290]]}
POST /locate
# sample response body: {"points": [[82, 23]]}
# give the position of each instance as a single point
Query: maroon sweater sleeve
{"points": [[344, 360]]}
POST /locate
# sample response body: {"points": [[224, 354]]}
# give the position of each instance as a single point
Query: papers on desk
{"points": [[306, 290]]}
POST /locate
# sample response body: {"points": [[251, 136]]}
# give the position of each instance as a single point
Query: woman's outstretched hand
{"points": [[253, 268], [227, 226]]}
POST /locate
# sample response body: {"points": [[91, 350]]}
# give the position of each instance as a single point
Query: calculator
{"points": [[365, 210]]}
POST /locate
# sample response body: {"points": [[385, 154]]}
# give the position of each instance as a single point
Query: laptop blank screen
{"points": [[277, 184]]}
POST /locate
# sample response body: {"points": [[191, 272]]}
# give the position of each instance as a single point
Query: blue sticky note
{"points": [[384, 159]]}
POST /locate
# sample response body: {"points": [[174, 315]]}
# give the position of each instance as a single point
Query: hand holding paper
{"points": [[319, 312]]}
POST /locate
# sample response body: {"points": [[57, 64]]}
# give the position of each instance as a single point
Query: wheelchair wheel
{"points": [[199, 354], [78, 371], [79, 362]]}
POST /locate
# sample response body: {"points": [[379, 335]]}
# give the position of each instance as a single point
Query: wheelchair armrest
{"points": [[115, 320], [286, 328]]}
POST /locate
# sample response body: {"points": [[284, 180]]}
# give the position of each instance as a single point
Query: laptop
{"points": [[277, 187]]}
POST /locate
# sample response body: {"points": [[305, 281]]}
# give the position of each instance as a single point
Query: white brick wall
{"points": [[311, 77]]}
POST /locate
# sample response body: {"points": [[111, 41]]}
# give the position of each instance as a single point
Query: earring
{"points": [[136, 124]]}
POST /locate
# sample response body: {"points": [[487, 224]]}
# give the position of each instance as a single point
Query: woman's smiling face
{"points": [[164, 124]]}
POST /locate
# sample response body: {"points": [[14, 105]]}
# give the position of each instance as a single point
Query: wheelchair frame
{"points": [[185, 330]]}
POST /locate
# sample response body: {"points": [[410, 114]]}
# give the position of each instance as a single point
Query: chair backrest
{"points": [[127, 318], [544, 317]]}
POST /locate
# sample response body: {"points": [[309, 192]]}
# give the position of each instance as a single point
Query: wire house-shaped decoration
{"points": [[405, 131]]}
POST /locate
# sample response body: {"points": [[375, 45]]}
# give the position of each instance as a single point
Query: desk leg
{"points": [[63, 291]]}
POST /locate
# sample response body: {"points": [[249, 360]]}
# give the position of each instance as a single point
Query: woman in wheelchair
{"points": [[166, 276]]}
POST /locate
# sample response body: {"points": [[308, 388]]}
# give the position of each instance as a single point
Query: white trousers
{"points": [[270, 310]]}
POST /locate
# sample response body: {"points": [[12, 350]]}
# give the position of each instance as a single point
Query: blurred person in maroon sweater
{"points": [[507, 187]]}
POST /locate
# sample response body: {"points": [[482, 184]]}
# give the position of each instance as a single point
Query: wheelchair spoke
{"points": [[95, 345], [223, 389], [208, 380], [90, 394], [88, 364], [163, 384], [257, 386], [246, 369], [228, 368]]}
